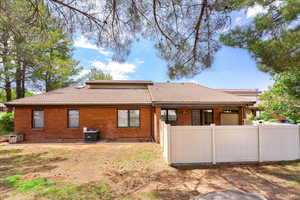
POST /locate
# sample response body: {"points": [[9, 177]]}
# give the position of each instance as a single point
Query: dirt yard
{"points": [[128, 171]]}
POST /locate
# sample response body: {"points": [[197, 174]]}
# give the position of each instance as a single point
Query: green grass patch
{"points": [[42, 187], [12, 180], [34, 185]]}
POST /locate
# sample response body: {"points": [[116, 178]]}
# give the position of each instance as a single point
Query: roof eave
{"points": [[74, 104], [203, 103]]}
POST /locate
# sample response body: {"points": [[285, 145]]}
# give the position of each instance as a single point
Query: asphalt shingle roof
{"points": [[192, 93], [167, 93]]}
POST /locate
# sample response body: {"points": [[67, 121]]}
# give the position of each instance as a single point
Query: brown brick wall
{"points": [[102, 118], [184, 116]]}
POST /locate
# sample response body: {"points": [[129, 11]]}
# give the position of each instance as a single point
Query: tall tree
{"points": [[184, 31], [17, 32], [31, 52], [97, 74], [54, 65], [283, 98], [272, 38]]}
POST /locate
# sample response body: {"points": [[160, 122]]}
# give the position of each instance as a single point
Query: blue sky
{"points": [[232, 68]]}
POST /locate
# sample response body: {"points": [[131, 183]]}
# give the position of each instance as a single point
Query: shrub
{"points": [[264, 116], [250, 117], [6, 123]]}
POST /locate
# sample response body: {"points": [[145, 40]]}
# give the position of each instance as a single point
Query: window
{"points": [[207, 117], [202, 117], [73, 118], [134, 118], [196, 117], [168, 115], [163, 115], [38, 119], [128, 118]]}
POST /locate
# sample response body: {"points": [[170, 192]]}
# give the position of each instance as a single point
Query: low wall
{"points": [[227, 144]]}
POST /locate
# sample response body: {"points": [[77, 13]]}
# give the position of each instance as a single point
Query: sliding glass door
{"points": [[202, 117]]}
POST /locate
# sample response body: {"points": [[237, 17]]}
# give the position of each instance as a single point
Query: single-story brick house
{"points": [[123, 109]]}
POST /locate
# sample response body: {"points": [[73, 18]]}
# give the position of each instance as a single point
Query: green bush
{"points": [[264, 116], [250, 117], [273, 120], [6, 123]]}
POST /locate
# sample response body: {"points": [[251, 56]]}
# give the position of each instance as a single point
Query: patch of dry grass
{"points": [[134, 171]]}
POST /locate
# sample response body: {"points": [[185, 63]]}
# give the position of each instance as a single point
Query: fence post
{"points": [[161, 126], [169, 138], [213, 143], [259, 142], [299, 138]]}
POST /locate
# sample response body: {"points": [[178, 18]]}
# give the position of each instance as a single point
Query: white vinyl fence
{"points": [[222, 144]]}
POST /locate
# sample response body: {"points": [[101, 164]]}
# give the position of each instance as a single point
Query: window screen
{"points": [[207, 117], [196, 117], [202, 117], [38, 119], [172, 115], [168, 115], [122, 118], [73, 118], [163, 115], [134, 116], [128, 118]]}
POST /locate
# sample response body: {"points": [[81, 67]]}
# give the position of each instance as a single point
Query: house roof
{"points": [[87, 96], [118, 82], [251, 94], [152, 93], [191, 93]]}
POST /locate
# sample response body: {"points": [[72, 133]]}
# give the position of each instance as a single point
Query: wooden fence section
{"points": [[222, 144]]}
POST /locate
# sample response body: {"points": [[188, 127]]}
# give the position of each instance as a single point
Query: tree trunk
{"points": [[7, 89], [23, 80], [48, 83], [18, 77], [7, 82]]}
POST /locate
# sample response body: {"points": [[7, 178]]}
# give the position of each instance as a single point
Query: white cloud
{"points": [[83, 42], [255, 10], [83, 72], [119, 71]]}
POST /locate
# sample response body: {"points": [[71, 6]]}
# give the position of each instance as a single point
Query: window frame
{"points": [[32, 119], [68, 118], [128, 119], [167, 115], [202, 119]]}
